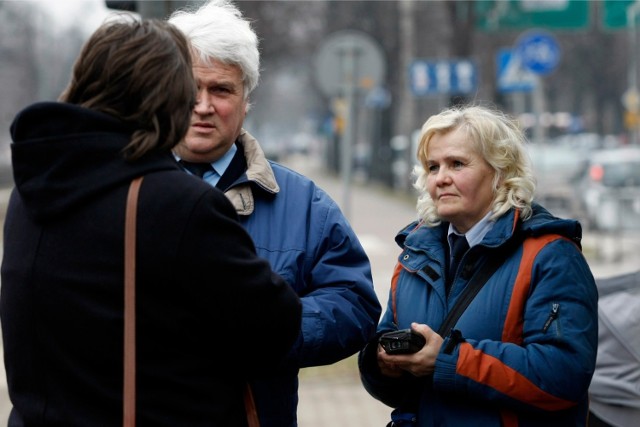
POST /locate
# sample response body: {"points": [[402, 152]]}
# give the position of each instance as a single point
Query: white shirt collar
{"points": [[475, 233]]}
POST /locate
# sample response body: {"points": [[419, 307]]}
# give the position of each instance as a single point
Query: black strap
{"points": [[471, 290]]}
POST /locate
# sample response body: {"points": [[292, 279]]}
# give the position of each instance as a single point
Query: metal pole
{"points": [[406, 112], [632, 12], [539, 107], [349, 59]]}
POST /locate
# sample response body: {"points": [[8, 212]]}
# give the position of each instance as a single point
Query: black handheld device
{"points": [[404, 341]]}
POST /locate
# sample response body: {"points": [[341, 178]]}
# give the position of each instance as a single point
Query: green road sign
{"points": [[614, 13], [495, 15]]}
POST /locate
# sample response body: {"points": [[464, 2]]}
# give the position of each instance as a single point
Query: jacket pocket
{"points": [[553, 316]]}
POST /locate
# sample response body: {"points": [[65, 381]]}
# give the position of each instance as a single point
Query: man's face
{"points": [[218, 115]]}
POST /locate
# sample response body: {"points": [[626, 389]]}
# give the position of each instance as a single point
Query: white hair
{"points": [[218, 31]]}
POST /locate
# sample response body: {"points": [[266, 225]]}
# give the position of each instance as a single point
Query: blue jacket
{"points": [[529, 338], [302, 232]]}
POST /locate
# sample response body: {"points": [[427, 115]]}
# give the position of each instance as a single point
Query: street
{"points": [[332, 395]]}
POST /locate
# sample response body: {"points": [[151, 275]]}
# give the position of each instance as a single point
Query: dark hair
{"points": [[139, 72]]}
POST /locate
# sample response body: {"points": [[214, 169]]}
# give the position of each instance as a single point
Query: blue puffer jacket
{"points": [[529, 338], [308, 241]]}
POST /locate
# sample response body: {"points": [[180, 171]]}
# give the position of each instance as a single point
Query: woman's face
{"points": [[459, 180]]}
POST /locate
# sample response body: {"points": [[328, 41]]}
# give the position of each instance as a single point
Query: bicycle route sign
{"points": [[538, 51]]}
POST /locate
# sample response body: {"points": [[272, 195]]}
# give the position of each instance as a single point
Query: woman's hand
{"points": [[418, 364], [388, 369]]}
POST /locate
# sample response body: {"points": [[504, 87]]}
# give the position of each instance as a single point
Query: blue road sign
{"points": [[511, 76], [538, 51], [443, 77]]}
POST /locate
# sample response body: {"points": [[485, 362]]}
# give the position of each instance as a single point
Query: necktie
{"points": [[198, 169], [459, 246]]}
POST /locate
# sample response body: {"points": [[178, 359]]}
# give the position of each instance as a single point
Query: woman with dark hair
{"points": [[201, 291], [139, 73]]}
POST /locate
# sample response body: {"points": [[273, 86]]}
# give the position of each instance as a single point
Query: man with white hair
{"points": [[294, 223]]}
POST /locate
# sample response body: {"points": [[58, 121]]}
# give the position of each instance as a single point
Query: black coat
{"points": [[210, 314]]}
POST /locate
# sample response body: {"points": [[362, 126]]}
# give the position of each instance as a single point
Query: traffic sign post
{"points": [[535, 54], [346, 62], [630, 97], [433, 77], [614, 13], [334, 54], [512, 76], [539, 51], [495, 15]]}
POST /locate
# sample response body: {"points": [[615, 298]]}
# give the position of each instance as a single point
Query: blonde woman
{"points": [[523, 352]]}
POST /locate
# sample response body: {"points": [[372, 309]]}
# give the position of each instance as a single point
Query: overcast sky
{"points": [[87, 14]]}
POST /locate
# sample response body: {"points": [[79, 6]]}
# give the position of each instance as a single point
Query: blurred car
{"points": [[557, 167], [300, 143], [273, 148], [610, 189]]}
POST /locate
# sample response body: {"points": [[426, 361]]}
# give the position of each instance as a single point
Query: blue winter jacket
{"points": [[528, 341], [308, 241]]}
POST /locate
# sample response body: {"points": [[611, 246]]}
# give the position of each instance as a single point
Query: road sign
{"points": [[431, 77], [369, 65], [539, 51], [496, 15], [614, 13], [511, 76]]}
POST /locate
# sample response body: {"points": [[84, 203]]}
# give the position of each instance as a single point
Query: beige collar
{"points": [[258, 171]]}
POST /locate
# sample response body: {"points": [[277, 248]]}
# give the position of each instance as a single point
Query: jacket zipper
{"points": [[555, 307]]}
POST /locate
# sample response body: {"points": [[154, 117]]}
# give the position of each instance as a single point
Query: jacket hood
{"points": [[62, 154], [543, 222]]}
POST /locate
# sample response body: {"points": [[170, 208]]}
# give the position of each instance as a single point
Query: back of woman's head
{"points": [[139, 72], [499, 140]]}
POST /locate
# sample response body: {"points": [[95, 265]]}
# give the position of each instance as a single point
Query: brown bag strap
{"points": [[129, 404], [250, 407], [129, 392]]}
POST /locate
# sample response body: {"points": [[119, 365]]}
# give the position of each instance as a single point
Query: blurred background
{"points": [[357, 79], [346, 86]]}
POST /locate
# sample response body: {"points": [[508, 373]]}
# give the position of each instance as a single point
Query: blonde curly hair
{"points": [[498, 139]]}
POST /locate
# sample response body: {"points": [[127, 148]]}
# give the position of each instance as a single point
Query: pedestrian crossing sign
{"points": [[512, 76]]}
